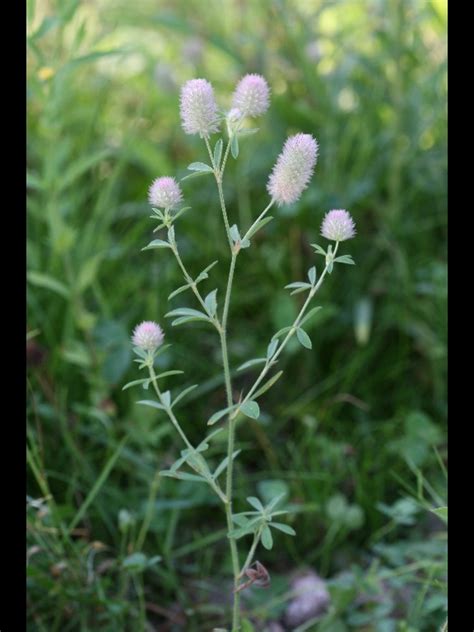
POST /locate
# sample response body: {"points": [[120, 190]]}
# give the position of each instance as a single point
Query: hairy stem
{"points": [[219, 172]]}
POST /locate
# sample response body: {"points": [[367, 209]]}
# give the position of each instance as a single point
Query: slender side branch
{"points": [[248, 561], [214, 485], [291, 332], [188, 278]]}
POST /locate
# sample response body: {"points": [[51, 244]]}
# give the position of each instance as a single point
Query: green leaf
{"points": [[212, 434], [267, 538], [234, 146], [280, 332], [304, 339], [319, 250], [223, 464], [135, 383], [240, 519], [283, 527], [188, 319], [250, 527], [152, 404], [168, 373], [178, 291], [251, 409], [312, 275], [256, 503], [184, 476], [345, 259], [298, 287], [166, 397], [180, 212], [298, 284], [200, 166], [272, 347], [183, 394], [265, 487], [195, 174], [44, 280], [263, 389], [219, 414], [234, 233], [253, 229], [211, 303], [441, 512], [218, 152], [250, 363], [203, 275], [309, 314], [157, 243], [187, 311]]}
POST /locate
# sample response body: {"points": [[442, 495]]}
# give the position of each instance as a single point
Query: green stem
{"points": [[230, 445], [218, 173], [248, 561], [228, 387]]}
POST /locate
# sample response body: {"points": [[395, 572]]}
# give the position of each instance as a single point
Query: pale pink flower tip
{"points": [[338, 225], [165, 192], [293, 169], [252, 95], [147, 335], [198, 108]]}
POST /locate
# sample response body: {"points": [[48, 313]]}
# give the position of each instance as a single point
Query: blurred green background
{"points": [[355, 433]]}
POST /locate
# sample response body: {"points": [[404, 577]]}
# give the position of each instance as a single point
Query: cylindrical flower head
{"points": [[165, 192], [198, 108], [338, 225], [252, 95], [147, 335], [293, 169]]}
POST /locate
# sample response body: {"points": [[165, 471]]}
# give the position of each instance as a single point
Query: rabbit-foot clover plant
{"points": [[289, 178]]}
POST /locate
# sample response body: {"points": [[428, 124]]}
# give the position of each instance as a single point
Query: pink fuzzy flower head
{"points": [[338, 225], [293, 169], [165, 193], [252, 95], [198, 108], [147, 335]]}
